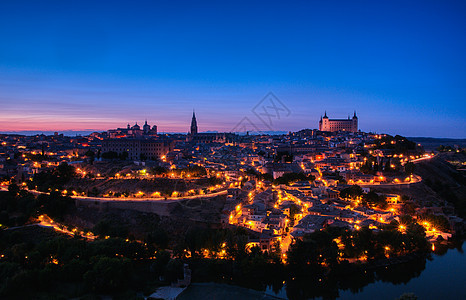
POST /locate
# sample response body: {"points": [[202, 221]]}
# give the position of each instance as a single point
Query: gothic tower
{"points": [[194, 125]]}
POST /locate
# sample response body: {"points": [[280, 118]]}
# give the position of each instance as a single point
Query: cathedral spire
{"points": [[194, 124]]}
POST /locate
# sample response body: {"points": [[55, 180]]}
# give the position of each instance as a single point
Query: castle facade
{"points": [[332, 125]]}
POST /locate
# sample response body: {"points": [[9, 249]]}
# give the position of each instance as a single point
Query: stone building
{"points": [[326, 124]]}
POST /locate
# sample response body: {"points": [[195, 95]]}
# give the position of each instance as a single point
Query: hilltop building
{"points": [[193, 125], [208, 137], [137, 142], [138, 148], [326, 124], [134, 131]]}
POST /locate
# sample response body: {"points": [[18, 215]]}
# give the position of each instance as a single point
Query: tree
{"points": [[108, 274], [409, 168], [159, 237], [55, 205], [437, 221], [65, 172], [312, 253], [293, 177], [110, 227], [13, 189], [283, 155], [373, 199], [351, 192], [158, 170], [89, 153]]}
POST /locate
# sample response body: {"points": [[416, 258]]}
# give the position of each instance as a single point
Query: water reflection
{"points": [[355, 282], [354, 278]]}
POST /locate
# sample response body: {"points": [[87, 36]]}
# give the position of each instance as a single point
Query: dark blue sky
{"points": [[80, 65]]}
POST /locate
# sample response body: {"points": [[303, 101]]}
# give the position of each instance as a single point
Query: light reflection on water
{"points": [[442, 276]]}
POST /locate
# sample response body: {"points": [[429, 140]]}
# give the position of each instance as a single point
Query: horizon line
{"points": [[269, 132]]}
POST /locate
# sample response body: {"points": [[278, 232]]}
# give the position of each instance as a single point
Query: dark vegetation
{"points": [[437, 221], [449, 148], [120, 265], [283, 156], [44, 265], [53, 179], [371, 199], [317, 265], [37, 266], [289, 178], [18, 206], [260, 176], [397, 143], [72, 267], [447, 182]]}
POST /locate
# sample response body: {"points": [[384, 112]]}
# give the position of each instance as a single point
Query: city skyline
{"points": [[89, 67]]}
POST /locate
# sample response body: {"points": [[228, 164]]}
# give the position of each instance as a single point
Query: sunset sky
{"points": [[77, 65]]}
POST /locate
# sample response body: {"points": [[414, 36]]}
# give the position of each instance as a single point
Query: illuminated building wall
{"points": [[326, 124]]}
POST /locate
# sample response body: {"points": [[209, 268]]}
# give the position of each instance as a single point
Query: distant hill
{"points": [[66, 132], [432, 143]]}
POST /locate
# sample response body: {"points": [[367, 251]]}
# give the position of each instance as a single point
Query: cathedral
{"points": [[206, 137], [326, 124], [193, 125]]}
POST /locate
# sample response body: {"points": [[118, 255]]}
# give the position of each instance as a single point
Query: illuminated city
{"points": [[237, 151]]}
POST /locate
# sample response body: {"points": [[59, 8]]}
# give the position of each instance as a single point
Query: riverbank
{"points": [[436, 276]]}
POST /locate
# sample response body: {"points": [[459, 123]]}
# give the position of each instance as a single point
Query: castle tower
{"points": [[193, 124], [325, 123], [355, 122]]}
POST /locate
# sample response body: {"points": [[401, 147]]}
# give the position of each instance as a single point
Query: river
{"points": [[444, 277], [440, 276]]}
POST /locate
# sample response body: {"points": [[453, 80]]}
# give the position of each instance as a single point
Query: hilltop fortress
{"points": [[326, 124]]}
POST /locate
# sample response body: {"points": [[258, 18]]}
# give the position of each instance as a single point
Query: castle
{"points": [[326, 124]]}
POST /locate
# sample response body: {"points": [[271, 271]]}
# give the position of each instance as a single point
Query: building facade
{"points": [[133, 131], [136, 148], [326, 124]]}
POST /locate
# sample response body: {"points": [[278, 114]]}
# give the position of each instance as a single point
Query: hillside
{"points": [[445, 180], [442, 184]]}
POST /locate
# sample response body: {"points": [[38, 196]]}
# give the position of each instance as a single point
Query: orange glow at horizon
{"points": [[44, 122]]}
